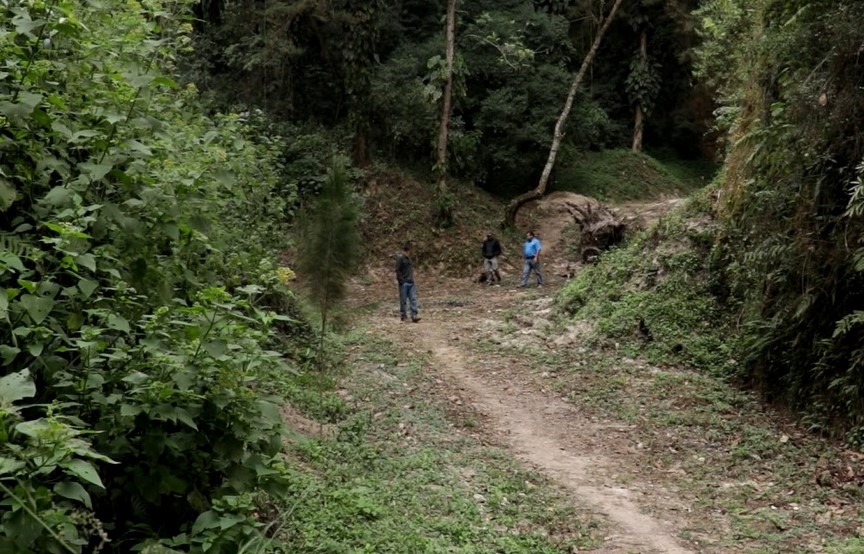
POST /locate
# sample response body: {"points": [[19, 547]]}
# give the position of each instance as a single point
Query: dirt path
{"points": [[589, 458]]}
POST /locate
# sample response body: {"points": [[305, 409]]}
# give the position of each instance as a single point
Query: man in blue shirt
{"points": [[531, 253]]}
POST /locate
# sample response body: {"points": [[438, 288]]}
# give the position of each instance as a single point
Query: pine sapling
{"points": [[330, 245]]}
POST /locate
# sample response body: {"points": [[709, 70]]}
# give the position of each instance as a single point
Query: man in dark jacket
{"points": [[407, 289], [491, 252]]}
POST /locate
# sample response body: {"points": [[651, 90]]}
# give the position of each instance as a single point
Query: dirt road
{"points": [[591, 459]]}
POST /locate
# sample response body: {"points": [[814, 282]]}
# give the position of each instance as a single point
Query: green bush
{"points": [[136, 289]]}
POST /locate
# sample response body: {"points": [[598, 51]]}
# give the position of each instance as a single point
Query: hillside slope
{"points": [[397, 209]]}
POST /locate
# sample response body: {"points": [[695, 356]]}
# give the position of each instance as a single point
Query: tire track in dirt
{"points": [[544, 432]]}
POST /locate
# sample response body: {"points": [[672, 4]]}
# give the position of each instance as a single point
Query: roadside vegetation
{"points": [[758, 279], [145, 341]]}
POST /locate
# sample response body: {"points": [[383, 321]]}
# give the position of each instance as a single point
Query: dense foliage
{"points": [[138, 318], [790, 78], [780, 272], [373, 71]]}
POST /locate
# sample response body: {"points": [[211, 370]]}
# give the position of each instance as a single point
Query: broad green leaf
{"points": [[113, 118], [24, 25], [35, 349], [16, 386], [58, 196], [8, 353], [171, 229], [23, 107], [216, 348], [224, 177], [87, 260], [30, 99], [33, 428], [11, 260], [184, 417], [185, 379], [8, 465], [136, 378], [8, 194], [86, 471], [129, 410], [230, 520], [65, 231], [94, 381], [73, 491], [118, 323], [74, 321], [41, 117], [15, 110], [96, 171], [85, 134], [207, 520], [164, 81], [30, 286], [139, 80], [4, 303], [37, 307], [136, 146], [87, 286]]}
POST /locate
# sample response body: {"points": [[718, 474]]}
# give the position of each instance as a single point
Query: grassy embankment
{"points": [[622, 175]]}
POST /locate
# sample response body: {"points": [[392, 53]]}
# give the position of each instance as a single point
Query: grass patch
{"points": [[621, 175], [403, 473]]}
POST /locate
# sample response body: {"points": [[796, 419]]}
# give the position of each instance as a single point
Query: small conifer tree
{"points": [[330, 244]]}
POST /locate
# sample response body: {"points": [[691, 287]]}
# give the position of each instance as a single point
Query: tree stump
{"points": [[600, 229]]}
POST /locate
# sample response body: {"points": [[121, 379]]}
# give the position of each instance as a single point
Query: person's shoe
{"points": [[521, 286], [415, 319], [540, 285], [404, 318]]}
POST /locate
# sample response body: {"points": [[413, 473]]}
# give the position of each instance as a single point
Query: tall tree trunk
{"points": [[639, 123], [444, 208], [519, 201]]}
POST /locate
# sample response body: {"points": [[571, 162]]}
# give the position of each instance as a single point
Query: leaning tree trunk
{"points": [[519, 201], [639, 123], [444, 207]]}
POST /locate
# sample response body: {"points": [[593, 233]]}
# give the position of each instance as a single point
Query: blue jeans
{"points": [[526, 272], [407, 293]]}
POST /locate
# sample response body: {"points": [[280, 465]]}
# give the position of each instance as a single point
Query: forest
{"points": [[186, 200]]}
